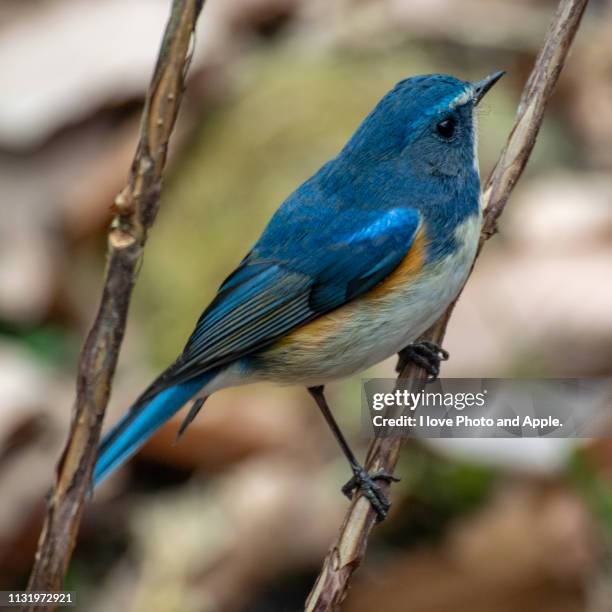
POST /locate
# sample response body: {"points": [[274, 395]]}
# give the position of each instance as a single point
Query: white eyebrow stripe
{"points": [[465, 96]]}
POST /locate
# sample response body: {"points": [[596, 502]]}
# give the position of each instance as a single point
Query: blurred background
{"points": [[238, 515]]}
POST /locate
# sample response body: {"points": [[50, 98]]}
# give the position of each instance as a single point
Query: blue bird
{"points": [[353, 267]]}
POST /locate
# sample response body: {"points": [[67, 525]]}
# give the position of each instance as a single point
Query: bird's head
{"points": [[427, 121]]}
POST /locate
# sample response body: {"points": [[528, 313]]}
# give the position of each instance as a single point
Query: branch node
{"points": [[123, 204], [120, 239]]}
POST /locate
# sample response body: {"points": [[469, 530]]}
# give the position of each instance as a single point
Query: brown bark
{"points": [[135, 209]]}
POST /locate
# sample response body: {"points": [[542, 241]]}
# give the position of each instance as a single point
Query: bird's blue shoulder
{"points": [[317, 231], [346, 198]]}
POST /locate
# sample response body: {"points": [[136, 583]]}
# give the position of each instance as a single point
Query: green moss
{"points": [[595, 488], [436, 491]]}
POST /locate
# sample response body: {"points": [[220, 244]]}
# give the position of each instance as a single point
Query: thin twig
{"points": [[349, 548], [135, 209]]}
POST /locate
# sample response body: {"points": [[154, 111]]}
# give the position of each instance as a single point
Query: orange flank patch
{"points": [[314, 333], [405, 272]]}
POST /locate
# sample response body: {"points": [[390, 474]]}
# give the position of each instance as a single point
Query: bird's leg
{"points": [[425, 354], [361, 480]]}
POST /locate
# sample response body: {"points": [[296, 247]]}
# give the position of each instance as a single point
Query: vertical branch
{"points": [[348, 550], [135, 209]]}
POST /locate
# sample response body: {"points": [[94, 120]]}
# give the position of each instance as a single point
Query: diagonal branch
{"points": [[135, 209], [347, 552]]}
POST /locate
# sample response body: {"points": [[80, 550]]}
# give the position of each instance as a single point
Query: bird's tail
{"points": [[140, 422]]}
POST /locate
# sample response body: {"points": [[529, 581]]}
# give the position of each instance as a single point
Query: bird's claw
{"points": [[425, 354], [366, 483]]}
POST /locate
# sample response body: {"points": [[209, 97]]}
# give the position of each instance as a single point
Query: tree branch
{"points": [[135, 209], [348, 550]]}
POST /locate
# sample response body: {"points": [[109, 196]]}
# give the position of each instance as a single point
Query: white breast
{"points": [[418, 305]]}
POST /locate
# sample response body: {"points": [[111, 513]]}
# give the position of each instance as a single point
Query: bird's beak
{"points": [[481, 87]]}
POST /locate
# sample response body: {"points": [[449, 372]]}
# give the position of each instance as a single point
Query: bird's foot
{"points": [[366, 483], [427, 355]]}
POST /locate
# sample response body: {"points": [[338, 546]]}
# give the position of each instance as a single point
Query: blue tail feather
{"points": [[139, 424]]}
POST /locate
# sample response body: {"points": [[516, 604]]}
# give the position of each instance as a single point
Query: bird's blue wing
{"points": [[289, 280]]}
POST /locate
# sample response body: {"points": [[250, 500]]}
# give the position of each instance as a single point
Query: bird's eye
{"points": [[446, 128]]}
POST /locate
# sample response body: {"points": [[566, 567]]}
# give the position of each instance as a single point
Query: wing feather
{"points": [[275, 290]]}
